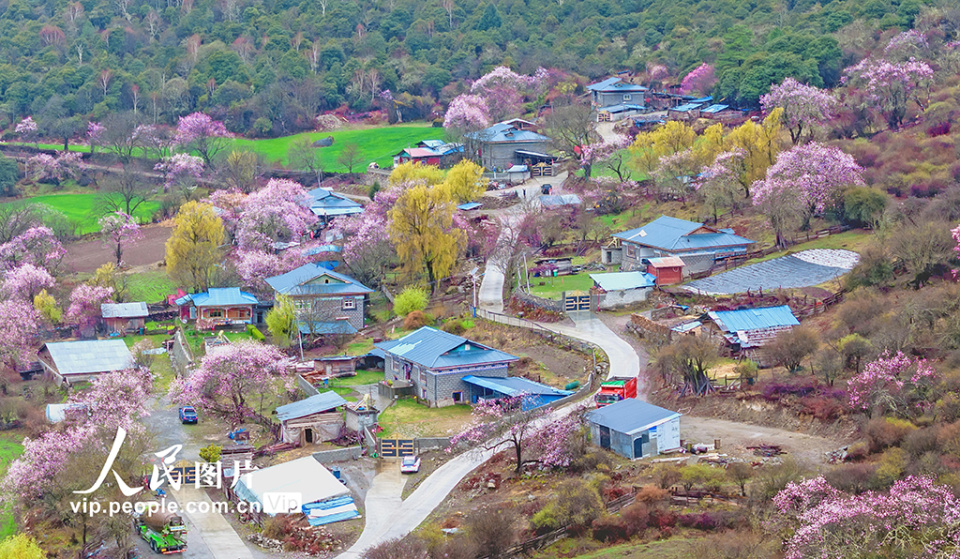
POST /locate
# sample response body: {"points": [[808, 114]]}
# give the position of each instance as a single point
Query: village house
{"points": [[697, 245], [328, 302], [219, 306], [666, 269], [614, 91], [634, 429], [509, 143], [361, 415], [312, 420], [436, 362], [121, 318], [745, 330], [616, 289], [327, 204], [431, 152], [70, 362]]}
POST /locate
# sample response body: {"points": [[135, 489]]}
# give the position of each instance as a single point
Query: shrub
{"points": [[255, 333], [852, 478], [666, 475], [891, 467], [635, 517], [824, 409], [949, 438], [491, 531], [609, 529], [652, 494], [922, 441], [703, 475], [663, 519], [454, 327], [857, 451], [415, 319], [411, 299], [577, 504], [884, 432], [211, 453], [546, 519], [407, 548]]}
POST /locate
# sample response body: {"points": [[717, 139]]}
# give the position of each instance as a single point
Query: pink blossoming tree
{"points": [[806, 108], [200, 132], [467, 113], [85, 301], [117, 399], [893, 383], [37, 245], [804, 182], [280, 211], [95, 132], [699, 81], [25, 281], [21, 325], [225, 380], [724, 183], [119, 230], [915, 514], [35, 473], [27, 129], [180, 168], [891, 86]]}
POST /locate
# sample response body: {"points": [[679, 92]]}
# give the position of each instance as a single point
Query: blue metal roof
{"points": [[327, 328], [686, 107], [219, 297], [622, 107], [618, 281], [715, 109], [558, 200], [314, 404], [614, 84], [431, 143], [630, 416], [297, 282], [683, 328], [90, 356], [436, 349], [754, 319], [503, 132], [515, 386], [674, 235], [325, 202], [322, 249], [469, 206], [702, 100]]}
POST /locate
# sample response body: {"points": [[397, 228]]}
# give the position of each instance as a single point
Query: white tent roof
{"points": [[303, 475]]}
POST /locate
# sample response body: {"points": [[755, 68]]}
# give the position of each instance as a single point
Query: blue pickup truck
{"points": [[188, 414]]}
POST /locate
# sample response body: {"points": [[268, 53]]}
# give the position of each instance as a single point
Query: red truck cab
{"points": [[616, 389]]}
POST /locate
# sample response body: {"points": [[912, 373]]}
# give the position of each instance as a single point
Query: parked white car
{"points": [[410, 465]]}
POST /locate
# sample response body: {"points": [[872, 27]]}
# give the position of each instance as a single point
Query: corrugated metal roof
{"points": [[325, 202], [614, 84], [469, 206], [327, 328], [58, 412], [431, 348], [672, 234], [432, 143], [621, 107], [619, 281], [753, 319], [630, 416], [715, 108], [505, 132], [666, 262], [90, 356], [514, 386], [219, 297], [518, 169], [686, 107], [292, 282], [314, 404], [682, 328], [124, 310], [558, 200]]}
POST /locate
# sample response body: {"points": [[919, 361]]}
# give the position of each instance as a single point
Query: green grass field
{"points": [[378, 144], [374, 144], [151, 286], [10, 449], [553, 288], [81, 208]]}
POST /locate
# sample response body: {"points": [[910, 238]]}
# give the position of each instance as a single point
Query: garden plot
{"points": [[803, 269]]}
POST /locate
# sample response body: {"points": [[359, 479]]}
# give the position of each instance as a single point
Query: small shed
{"points": [[361, 414], [747, 329], [635, 429], [667, 270], [336, 365], [312, 420], [517, 174], [622, 288], [124, 317], [57, 413], [534, 394]]}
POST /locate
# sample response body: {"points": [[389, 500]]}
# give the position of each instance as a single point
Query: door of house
{"points": [[641, 445], [576, 302], [308, 436], [604, 437]]}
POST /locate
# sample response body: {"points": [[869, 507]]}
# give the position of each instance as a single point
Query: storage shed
{"points": [[635, 429], [124, 317], [534, 394], [69, 362], [312, 420], [666, 269], [746, 329]]}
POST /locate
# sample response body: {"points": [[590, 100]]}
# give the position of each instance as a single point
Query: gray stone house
{"points": [[327, 302], [508, 143], [614, 91], [435, 362], [698, 245]]}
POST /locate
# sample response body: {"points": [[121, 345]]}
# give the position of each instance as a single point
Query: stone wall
{"points": [[180, 356], [550, 305], [338, 455]]}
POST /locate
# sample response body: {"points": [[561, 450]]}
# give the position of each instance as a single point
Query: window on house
{"points": [[631, 251], [626, 97], [215, 313], [349, 304], [457, 397]]}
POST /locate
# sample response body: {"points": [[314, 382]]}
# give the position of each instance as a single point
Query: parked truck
{"points": [[616, 389], [163, 530]]}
